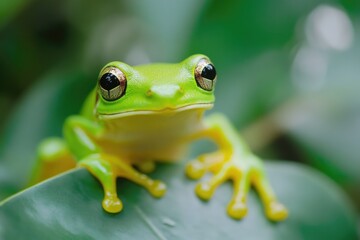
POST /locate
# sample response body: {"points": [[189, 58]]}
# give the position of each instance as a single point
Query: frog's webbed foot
{"points": [[243, 173], [107, 168]]}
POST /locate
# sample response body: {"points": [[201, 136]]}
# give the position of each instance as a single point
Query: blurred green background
{"points": [[288, 71]]}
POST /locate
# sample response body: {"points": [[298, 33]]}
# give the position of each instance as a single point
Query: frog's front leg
{"points": [[233, 161], [80, 134]]}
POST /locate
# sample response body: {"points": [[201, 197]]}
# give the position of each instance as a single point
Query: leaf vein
{"points": [[150, 224]]}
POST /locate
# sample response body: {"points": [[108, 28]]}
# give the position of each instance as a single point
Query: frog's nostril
{"points": [[166, 91]]}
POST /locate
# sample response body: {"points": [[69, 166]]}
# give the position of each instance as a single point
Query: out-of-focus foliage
{"points": [[8, 9], [288, 71]]}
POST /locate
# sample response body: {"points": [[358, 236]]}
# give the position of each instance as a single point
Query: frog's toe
{"points": [[237, 210], [275, 211], [112, 204], [195, 170], [146, 166], [204, 163], [157, 188], [204, 191]]}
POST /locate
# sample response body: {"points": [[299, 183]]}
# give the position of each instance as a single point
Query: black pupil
{"points": [[109, 81], [209, 72]]}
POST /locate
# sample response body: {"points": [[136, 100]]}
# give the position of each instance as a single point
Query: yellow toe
{"points": [[195, 170], [237, 210], [204, 190], [112, 204], [157, 189], [276, 211], [146, 167]]}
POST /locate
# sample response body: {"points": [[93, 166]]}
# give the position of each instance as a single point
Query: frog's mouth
{"points": [[167, 110]]}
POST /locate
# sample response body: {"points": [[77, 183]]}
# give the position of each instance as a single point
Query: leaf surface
{"points": [[69, 207]]}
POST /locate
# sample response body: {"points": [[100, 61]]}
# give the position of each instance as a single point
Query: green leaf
{"points": [[69, 206]]}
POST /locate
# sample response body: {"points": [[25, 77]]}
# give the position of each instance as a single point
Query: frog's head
{"points": [[124, 90]]}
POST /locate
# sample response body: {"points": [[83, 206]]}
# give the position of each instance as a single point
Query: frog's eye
{"points": [[112, 83], [205, 75]]}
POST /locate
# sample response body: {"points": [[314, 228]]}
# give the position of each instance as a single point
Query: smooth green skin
{"points": [[140, 79], [153, 89], [145, 77]]}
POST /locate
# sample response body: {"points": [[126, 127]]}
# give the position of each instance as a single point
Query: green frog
{"points": [[137, 115]]}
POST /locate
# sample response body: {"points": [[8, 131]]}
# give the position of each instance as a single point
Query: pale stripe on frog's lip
{"points": [[164, 110]]}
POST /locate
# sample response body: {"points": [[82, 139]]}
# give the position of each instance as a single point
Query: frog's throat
{"points": [[203, 106]]}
